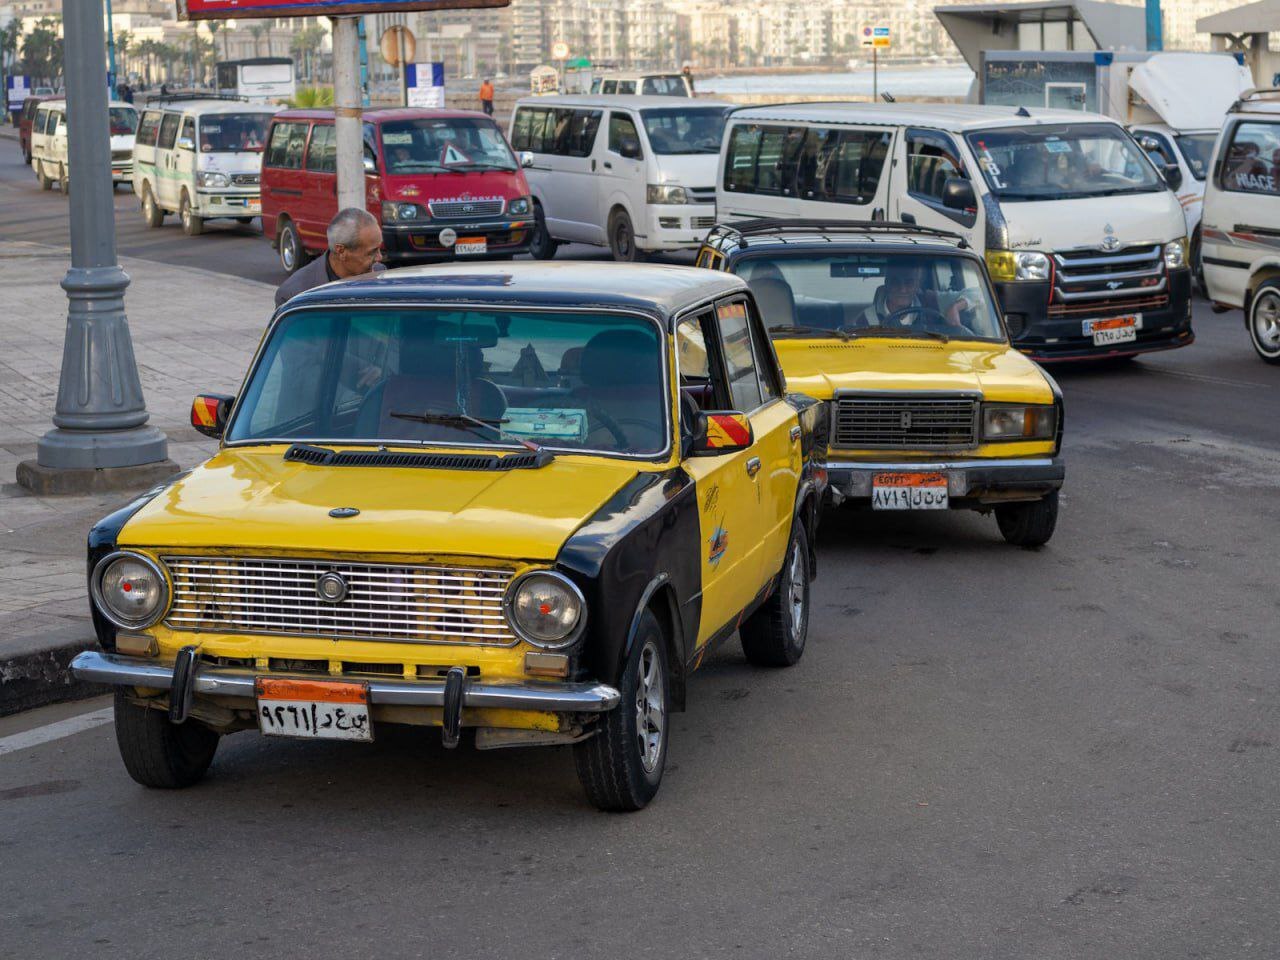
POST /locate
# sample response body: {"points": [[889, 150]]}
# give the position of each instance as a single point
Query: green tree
{"points": [[149, 50], [214, 26], [305, 45], [42, 51]]}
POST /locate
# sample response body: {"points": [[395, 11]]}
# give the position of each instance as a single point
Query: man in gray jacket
{"points": [[355, 247]]}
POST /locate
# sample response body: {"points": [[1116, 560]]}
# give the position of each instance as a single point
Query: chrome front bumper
{"points": [[966, 479], [209, 681]]}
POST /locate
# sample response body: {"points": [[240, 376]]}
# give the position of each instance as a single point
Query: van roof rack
{"points": [[1261, 94], [747, 228], [179, 97]]}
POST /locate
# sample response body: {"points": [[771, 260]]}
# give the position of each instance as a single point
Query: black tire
{"points": [[152, 212], [293, 256], [613, 770], [46, 181], [622, 239], [1197, 264], [64, 182], [774, 635], [1264, 321], [245, 220], [160, 754], [192, 225], [1029, 524], [543, 246]]}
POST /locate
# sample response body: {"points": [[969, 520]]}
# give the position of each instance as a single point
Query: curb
{"points": [[38, 678]]}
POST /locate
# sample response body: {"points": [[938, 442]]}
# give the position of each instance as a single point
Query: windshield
{"points": [[1197, 150], [872, 294], [124, 120], [1062, 162], [455, 143], [679, 130], [233, 132], [565, 381], [665, 86]]}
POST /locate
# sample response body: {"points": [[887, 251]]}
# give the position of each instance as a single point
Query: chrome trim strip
{"points": [[938, 465], [1111, 294], [1104, 277], [1150, 253], [96, 667]]}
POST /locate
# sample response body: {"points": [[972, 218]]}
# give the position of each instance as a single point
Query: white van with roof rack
{"points": [[642, 84], [1084, 239], [1241, 223]]}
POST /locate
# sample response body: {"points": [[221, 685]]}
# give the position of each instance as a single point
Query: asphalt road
{"points": [[985, 753]]}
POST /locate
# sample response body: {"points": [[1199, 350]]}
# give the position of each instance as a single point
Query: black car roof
{"points": [[657, 290]]}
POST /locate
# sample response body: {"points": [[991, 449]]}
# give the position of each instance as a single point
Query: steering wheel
{"points": [[610, 424], [918, 310]]}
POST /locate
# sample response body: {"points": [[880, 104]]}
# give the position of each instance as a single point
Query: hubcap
{"points": [[286, 249], [624, 240], [1266, 322], [796, 589], [651, 708]]}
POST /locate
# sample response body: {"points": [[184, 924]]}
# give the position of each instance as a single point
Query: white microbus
{"points": [[1084, 239], [49, 158], [258, 80]]}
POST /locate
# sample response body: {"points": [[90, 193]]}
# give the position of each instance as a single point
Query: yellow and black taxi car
{"points": [[897, 329], [524, 499]]}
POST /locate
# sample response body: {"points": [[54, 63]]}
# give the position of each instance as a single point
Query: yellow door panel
{"points": [[778, 479]]}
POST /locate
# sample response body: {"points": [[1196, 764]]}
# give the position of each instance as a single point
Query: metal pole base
{"points": [[57, 481]]}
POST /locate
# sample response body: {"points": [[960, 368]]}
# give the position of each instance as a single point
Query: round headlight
{"points": [[519, 207], [546, 609], [130, 590], [407, 211]]}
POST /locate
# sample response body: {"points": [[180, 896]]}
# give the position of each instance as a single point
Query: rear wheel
{"points": [[292, 254], [1197, 264], [622, 238], [1029, 524], [1264, 322], [543, 246], [620, 768], [151, 212], [774, 635], [158, 753], [46, 181], [192, 225]]}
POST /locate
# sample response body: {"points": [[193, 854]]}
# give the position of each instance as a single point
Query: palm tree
{"points": [[124, 45], [42, 51], [305, 45], [149, 50], [256, 31]]}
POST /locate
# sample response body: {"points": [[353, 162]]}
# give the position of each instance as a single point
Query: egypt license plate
{"points": [[1113, 329], [909, 491], [470, 246], [313, 709]]}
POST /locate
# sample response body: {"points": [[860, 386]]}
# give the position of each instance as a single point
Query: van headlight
{"points": [[130, 590], [546, 609], [1176, 254], [1008, 421], [393, 212], [1008, 265], [211, 178], [519, 207], [666, 193]]}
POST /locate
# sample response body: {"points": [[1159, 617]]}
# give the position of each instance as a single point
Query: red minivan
{"points": [[24, 125], [444, 184]]}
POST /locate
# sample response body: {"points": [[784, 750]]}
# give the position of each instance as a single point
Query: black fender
{"points": [[814, 417]]}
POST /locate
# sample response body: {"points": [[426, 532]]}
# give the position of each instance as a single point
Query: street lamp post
{"points": [[101, 439]]}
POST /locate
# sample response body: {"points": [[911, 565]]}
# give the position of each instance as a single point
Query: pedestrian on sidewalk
{"points": [[486, 96], [355, 247]]}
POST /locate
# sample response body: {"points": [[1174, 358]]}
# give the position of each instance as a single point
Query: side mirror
{"points": [[629, 147], [526, 159], [209, 413], [1172, 175], [369, 165], [186, 143], [720, 432], [957, 194]]}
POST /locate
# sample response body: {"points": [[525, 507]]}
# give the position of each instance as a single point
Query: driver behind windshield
{"points": [[899, 301]]}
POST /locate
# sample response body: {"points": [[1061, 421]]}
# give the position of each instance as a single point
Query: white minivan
{"points": [[1084, 239], [1241, 223], [200, 159], [49, 157], [635, 174]]}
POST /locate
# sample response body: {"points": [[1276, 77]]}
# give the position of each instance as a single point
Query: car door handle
{"points": [[608, 165], [795, 433], [753, 466], [593, 163], [908, 218]]}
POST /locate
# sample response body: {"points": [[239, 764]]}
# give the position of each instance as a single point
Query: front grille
{"points": [[461, 209], [1089, 281], [701, 194], [702, 223], [410, 604], [244, 179], [905, 422]]}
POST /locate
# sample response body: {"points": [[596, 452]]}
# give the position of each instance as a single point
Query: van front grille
{"points": [[407, 604], [905, 423], [1085, 279], [244, 179], [462, 209]]}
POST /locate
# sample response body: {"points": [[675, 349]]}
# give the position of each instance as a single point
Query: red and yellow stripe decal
{"points": [[728, 430], [204, 412]]}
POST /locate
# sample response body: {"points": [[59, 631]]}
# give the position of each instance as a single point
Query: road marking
{"points": [[55, 731], [1206, 378]]}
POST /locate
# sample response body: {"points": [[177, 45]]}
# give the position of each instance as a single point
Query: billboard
{"points": [[250, 9]]}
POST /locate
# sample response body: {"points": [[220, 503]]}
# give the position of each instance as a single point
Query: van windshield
{"points": [[1062, 162], [854, 295], [233, 132], [124, 120], [679, 130], [1197, 150], [452, 144]]}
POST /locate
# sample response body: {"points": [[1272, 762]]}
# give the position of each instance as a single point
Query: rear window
{"points": [[665, 86], [810, 163], [1251, 163]]}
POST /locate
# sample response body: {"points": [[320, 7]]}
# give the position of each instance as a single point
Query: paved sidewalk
{"points": [[192, 331]]}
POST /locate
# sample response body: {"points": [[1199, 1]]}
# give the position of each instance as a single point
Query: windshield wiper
{"points": [[480, 165], [880, 328], [800, 328], [475, 424]]}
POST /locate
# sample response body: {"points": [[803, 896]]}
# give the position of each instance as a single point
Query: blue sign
{"points": [[424, 83], [17, 88]]}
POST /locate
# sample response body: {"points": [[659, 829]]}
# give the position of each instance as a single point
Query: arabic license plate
{"points": [[255, 205], [1113, 329], [313, 709], [909, 491], [470, 246]]}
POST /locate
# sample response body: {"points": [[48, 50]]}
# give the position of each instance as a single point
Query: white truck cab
{"points": [[200, 159], [49, 158], [1085, 242]]}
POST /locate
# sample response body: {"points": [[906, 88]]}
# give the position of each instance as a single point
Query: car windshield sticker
{"points": [[451, 155], [1054, 145], [397, 139], [989, 165], [538, 423]]}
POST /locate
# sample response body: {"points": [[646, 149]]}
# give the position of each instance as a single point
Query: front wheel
{"points": [[622, 239], [1264, 322], [774, 635], [192, 225], [160, 754], [46, 181], [542, 246], [620, 767], [1029, 524], [1197, 264], [151, 212]]}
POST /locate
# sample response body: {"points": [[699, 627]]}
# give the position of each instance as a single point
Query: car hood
{"points": [[821, 367], [1138, 218], [696, 170], [247, 499]]}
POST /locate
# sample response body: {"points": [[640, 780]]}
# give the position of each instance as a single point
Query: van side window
{"points": [[626, 86], [610, 86], [621, 127], [148, 129], [531, 129], [1252, 161], [42, 117], [322, 155], [285, 147], [168, 131], [932, 160], [576, 132]]}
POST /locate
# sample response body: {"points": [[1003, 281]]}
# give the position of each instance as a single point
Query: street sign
{"points": [[17, 88], [880, 37], [425, 85], [559, 50], [249, 9], [389, 45]]}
